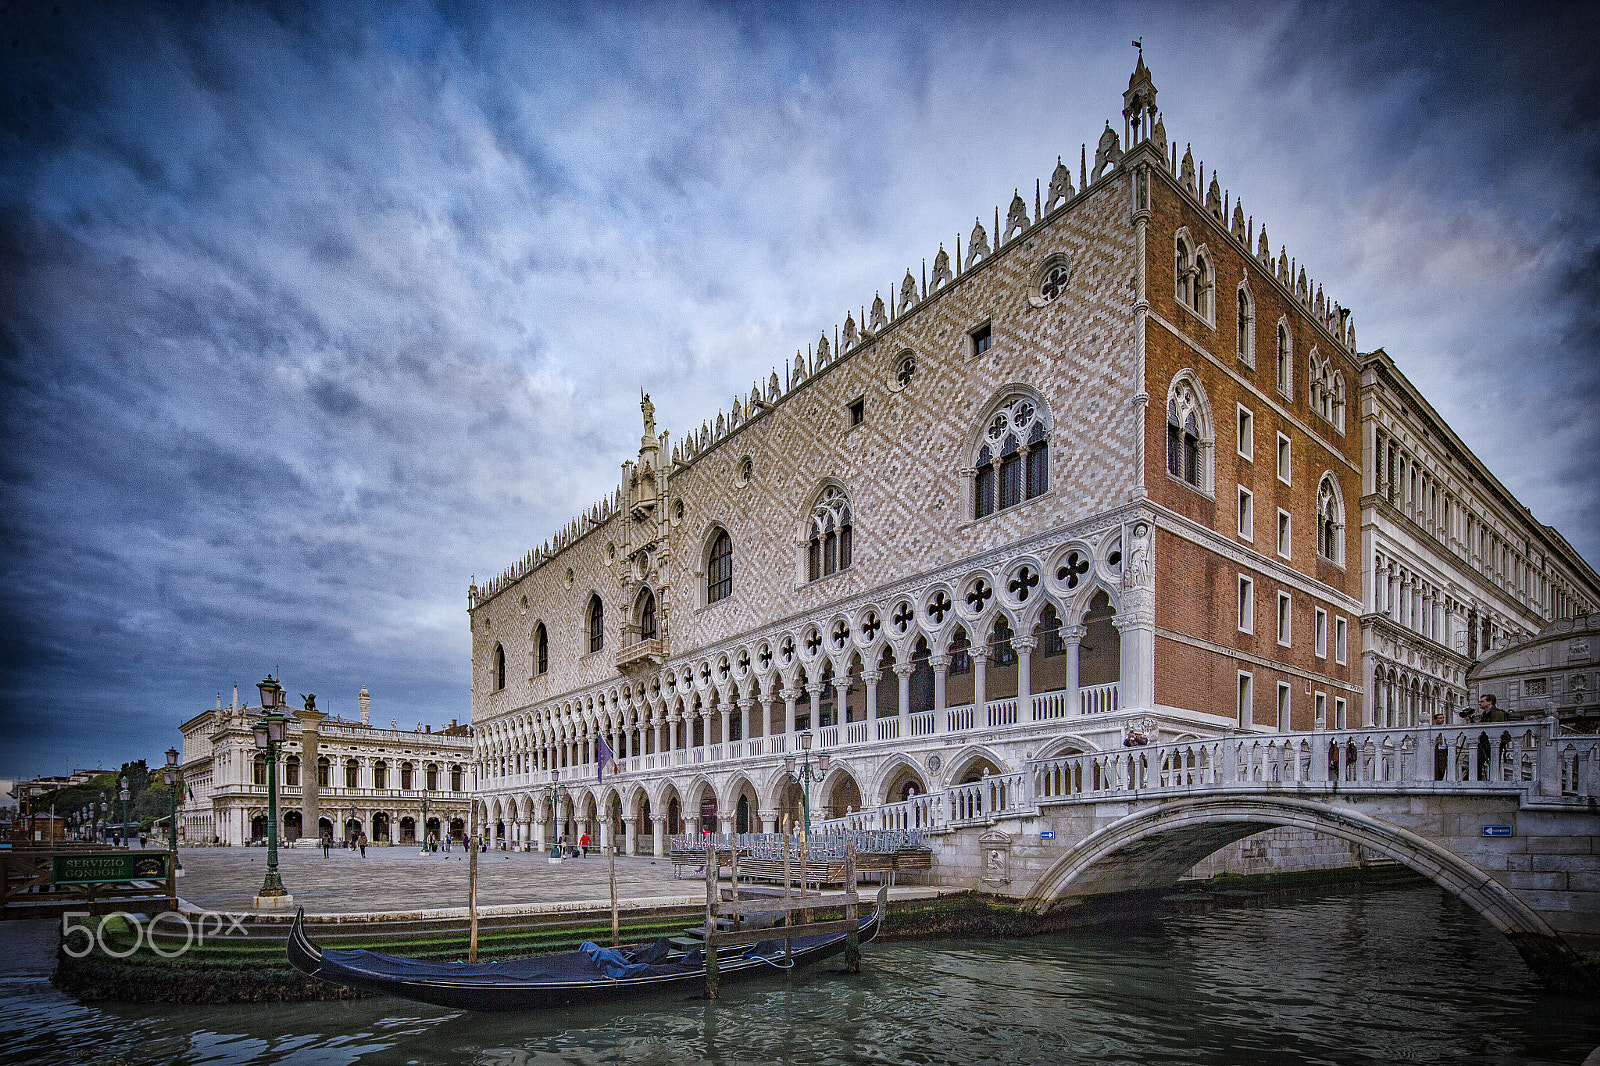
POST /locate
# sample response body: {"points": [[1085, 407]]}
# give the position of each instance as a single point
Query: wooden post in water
{"points": [[472, 883], [611, 870], [788, 915], [852, 939], [711, 919]]}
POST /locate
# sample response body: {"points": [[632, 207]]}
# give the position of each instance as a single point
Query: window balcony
{"points": [[644, 653]]}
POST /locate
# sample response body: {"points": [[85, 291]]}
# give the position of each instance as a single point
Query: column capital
{"points": [[939, 662], [1027, 644], [789, 695], [904, 669], [979, 653]]}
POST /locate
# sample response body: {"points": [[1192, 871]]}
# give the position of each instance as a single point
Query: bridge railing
{"points": [[1500, 757]]}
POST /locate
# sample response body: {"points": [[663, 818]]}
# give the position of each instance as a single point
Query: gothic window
{"points": [[960, 654], [905, 369], [1001, 649], [829, 543], [1330, 521], [1338, 400], [719, 568], [541, 649], [1285, 360], [597, 624], [291, 770], [499, 668], [647, 616], [1183, 271], [1054, 281], [1013, 460], [1321, 386], [1245, 320], [1202, 286], [1189, 433]]}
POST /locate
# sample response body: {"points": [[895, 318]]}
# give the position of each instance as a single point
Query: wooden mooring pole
{"points": [[472, 884], [611, 870], [852, 939], [788, 915], [712, 870]]}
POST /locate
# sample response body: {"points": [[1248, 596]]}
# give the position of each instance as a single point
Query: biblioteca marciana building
{"points": [[336, 778], [1107, 473]]}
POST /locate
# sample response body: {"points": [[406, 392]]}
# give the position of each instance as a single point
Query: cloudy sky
{"points": [[310, 314]]}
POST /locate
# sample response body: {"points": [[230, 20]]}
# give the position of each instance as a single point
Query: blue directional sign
{"points": [[1497, 830], [1047, 834]]}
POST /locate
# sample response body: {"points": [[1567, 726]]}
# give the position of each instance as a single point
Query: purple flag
{"points": [[605, 757]]}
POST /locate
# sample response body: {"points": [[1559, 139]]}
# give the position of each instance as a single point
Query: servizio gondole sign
{"points": [[107, 869]]}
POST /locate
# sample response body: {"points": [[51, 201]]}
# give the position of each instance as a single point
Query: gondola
{"points": [[563, 979]]}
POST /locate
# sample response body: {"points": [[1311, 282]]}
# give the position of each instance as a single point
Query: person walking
{"points": [[361, 842], [325, 844]]}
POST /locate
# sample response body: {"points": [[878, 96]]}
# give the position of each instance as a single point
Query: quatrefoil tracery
{"points": [[1072, 570], [1024, 583], [902, 617], [939, 606], [979, 595]]}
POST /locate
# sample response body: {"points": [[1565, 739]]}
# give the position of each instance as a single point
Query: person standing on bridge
{"points": [[1489, 710]]}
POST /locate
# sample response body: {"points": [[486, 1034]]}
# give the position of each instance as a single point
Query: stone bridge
{"points": [[1502, 816]]}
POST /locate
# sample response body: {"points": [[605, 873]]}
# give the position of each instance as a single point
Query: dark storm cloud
{"points": [[312, 313]]}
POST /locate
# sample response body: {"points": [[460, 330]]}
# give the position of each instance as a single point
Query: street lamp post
{"points": [[123, 795], [806, 772], [171, 777], [269, 733], [556, 791], [422, 834]]}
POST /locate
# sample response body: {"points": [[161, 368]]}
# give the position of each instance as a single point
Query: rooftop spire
{"points": [[1139, 102]]}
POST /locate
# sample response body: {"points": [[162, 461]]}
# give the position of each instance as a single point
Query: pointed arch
{"points": [[1330, 519], [1008, 449], [595, 617], [717, 564], [889, 783], [1191, 432], [1245, 324], [1285, 358], [644, 614], [499, 667], [541, 649], [971, 761]]}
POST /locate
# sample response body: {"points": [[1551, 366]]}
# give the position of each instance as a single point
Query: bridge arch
{"points": [[1152, 848]]}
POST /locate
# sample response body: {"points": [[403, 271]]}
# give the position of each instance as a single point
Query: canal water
{"points": [[1353, 976]]}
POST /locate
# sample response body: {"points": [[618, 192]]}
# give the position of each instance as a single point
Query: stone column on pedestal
{"points": [[869, 681], [1072, 641], [980, 684], [310, 807], [659, 829], [941, 670]]}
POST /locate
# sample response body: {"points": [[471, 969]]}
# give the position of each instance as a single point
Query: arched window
{"points": [[1285, 360], [647, 616], [324, 772], [1321, 388], [541, 649], [1330, 521], [499, 668], [351, 770], [1189, 434], [407, 774], [1202, 285], [455, 777], [1338, 400], [380, 774], [829, 547], [259, 776], [597, 624], [719, 568], [1183, 270], [1013, 460], [1245, 320], [291, 770]]}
